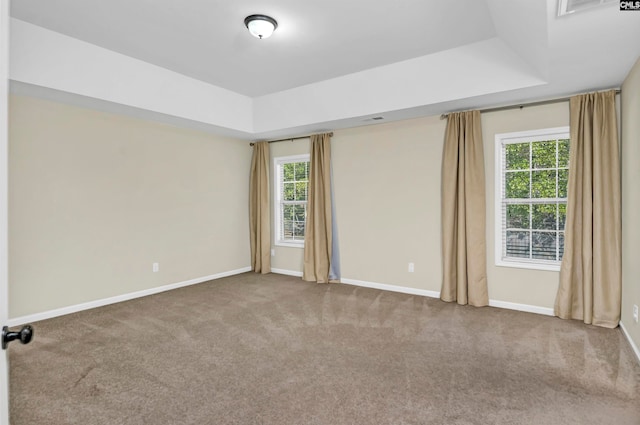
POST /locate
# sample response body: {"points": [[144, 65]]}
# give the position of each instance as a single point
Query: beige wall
{"points": [[521, 286], [630, 106], [387, 183], [385, 216], [387, 187], [96, 198]]}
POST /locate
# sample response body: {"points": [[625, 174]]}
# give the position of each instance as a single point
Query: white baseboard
{"points": [[118, 298], [633, 344], [521, 307], [393, 288], [287, 272], [436, 294]]}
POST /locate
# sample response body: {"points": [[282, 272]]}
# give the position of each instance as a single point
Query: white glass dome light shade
{"points": [[260, 26]]}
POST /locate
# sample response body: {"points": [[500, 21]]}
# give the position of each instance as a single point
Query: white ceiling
{"points": [[328, 47], [315, 40]]}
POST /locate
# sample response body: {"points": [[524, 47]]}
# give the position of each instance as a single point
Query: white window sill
{"points": [[290, 244], [552, 267]]}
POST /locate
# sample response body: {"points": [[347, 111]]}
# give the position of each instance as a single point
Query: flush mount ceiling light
{"points": [[260, 26]]}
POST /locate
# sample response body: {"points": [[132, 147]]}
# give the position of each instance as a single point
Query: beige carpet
{"points": [[272, 349]]}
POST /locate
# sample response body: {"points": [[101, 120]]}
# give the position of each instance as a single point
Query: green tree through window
{"points": [[533, 174], [292, 185]]}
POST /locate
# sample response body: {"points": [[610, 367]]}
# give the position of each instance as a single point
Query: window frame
{"points": [[544, 134], [278, 162]]}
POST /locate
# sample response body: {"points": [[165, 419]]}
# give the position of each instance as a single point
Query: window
{"points": [[531, 197], [292, 180], [566, 7]]}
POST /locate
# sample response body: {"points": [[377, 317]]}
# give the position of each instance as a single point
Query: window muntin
{"points": [[531, 197], [292, 181]]}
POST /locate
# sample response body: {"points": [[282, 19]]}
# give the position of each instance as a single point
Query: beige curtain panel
{"points": [[590, 275], [463, 212], [259, 221], [318, 228]]}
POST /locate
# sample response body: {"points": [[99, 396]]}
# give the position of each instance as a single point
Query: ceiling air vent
{"points": [[566, 7], [373, 119]]}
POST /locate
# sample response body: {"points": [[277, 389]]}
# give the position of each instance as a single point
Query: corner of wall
{"points": [[630, 154]]}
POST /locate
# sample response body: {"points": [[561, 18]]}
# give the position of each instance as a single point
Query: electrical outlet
{"points": [[411, 268], [155, 267], [635, 313], [273, 252]]}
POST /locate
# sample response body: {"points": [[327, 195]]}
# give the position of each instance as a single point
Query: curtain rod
{"points": [[522, 105], [290, 139]]}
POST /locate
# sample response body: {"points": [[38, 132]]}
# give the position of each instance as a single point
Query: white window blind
{"points": [[292, 181], [532, 170]]}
